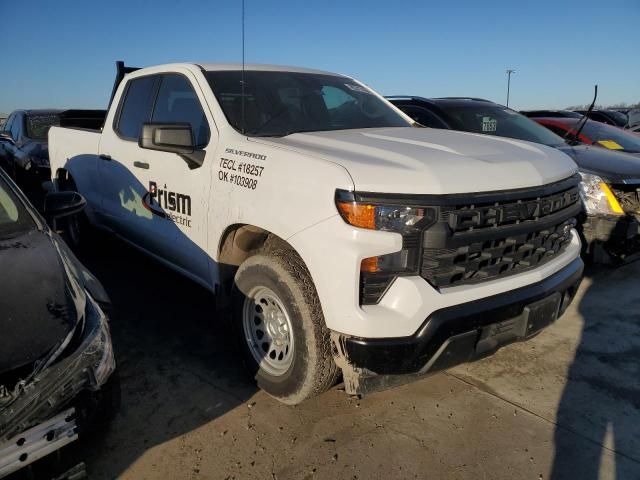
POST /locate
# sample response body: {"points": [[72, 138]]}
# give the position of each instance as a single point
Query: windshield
{"points": [[38, 125], [499, 121], [281, 103], [611, 137], [14, 218]]}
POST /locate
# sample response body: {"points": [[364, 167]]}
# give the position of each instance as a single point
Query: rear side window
{"points": [[177, 102], [137, 106]]}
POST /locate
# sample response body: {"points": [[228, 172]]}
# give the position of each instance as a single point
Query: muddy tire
{"points": [[278, 323]]}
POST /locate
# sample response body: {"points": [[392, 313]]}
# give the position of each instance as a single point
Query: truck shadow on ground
{"points": [[605, 366], [177, 367]]}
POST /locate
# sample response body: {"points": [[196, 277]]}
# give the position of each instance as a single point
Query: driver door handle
{"points": [[104, 156], [141, 165]]}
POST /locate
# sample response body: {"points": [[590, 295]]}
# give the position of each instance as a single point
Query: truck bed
{"points": [[76, 151], [84, 119]]}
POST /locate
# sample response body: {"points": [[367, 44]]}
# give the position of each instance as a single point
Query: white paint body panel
{"points": [[294, 199]]}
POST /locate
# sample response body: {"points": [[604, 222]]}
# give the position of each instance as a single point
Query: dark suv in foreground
{"points": [[610, 186], [56, 356]]}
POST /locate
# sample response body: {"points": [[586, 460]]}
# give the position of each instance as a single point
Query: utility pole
{"points": [[509, 72]]}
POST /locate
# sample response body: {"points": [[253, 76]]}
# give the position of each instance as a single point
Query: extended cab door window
{"points": [[136, 107], [177, 102]]}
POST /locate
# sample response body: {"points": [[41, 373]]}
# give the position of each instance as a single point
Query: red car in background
{"points": [[594, 133]]}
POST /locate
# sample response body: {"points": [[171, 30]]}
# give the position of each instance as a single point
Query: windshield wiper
{"points": [[272, 118]]}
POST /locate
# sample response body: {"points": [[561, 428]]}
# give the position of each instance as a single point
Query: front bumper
{"points": [[86, 369], [610, 238], [458, 334]]}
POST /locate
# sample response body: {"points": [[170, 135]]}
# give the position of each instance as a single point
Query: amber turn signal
{"points": [[358, 214], [369, 265]]}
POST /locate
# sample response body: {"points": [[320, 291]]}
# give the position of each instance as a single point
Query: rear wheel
{"points": [[280, 328]]}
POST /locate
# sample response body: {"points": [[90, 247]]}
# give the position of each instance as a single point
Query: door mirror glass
{"points": [[172, 138], [167, 137], [62, 204]]}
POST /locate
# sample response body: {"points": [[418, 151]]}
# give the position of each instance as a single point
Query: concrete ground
{"points": [[566, 404]]}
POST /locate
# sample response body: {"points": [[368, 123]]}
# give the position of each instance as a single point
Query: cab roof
{"points": [[210, 67]]}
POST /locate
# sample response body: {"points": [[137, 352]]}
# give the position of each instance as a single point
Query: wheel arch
{"points": [[240, 241]]}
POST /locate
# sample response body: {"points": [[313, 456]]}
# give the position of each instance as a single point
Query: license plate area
{"points": [[534, 317], [542, 313]]}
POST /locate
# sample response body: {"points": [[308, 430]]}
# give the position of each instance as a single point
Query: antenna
{"points": [[585, 117], [242, 74]]}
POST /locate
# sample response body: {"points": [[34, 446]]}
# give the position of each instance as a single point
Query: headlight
{"points": [[377, 273], [389, 218], [101, 346], [598, 197]]}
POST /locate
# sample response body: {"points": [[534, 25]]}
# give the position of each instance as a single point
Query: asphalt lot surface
{"points": [[566, 404]]}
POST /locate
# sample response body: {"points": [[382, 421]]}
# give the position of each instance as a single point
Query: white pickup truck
{"points": [[343, 238]]}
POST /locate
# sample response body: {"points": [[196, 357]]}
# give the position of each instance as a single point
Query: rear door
{"points": [[121, 187], [167, 203]]}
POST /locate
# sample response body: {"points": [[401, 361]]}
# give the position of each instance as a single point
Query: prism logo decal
{"points": [[167, 204]]}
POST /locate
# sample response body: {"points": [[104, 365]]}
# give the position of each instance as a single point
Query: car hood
{"points": [[425, 160], [609, 164], [40, 299]]}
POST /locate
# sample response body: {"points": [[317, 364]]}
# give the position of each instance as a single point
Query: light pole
{"points": [[509, 72]]}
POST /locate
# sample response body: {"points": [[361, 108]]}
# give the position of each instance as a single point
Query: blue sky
{"points": [[61, 53]]}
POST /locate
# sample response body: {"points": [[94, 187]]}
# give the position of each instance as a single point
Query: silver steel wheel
{"points": [[268, 331]]}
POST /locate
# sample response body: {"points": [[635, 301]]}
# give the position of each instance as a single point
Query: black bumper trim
{"points": [[453, 335]]}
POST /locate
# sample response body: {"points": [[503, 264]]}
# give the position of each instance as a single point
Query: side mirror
{"points": [[172, 138], [62, 204]]}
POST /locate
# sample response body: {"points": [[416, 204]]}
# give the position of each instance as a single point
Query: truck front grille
{"points": [[486, 260], [499, 234]]}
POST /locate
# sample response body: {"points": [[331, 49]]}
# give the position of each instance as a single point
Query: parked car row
{"points": [[344, 238], [23, 141], [610, 188]]}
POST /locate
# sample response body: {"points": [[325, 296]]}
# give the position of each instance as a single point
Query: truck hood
{"points": [[40, 301], [425, 160], [609, 164]]}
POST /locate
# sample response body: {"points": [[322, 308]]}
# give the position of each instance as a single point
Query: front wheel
{"points": [[278, 322]]}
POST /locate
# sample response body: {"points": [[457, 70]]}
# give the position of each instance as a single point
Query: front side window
{"points": [[281, 103], [177, 102], [136, 107], [14, 218], [38, 125]]}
